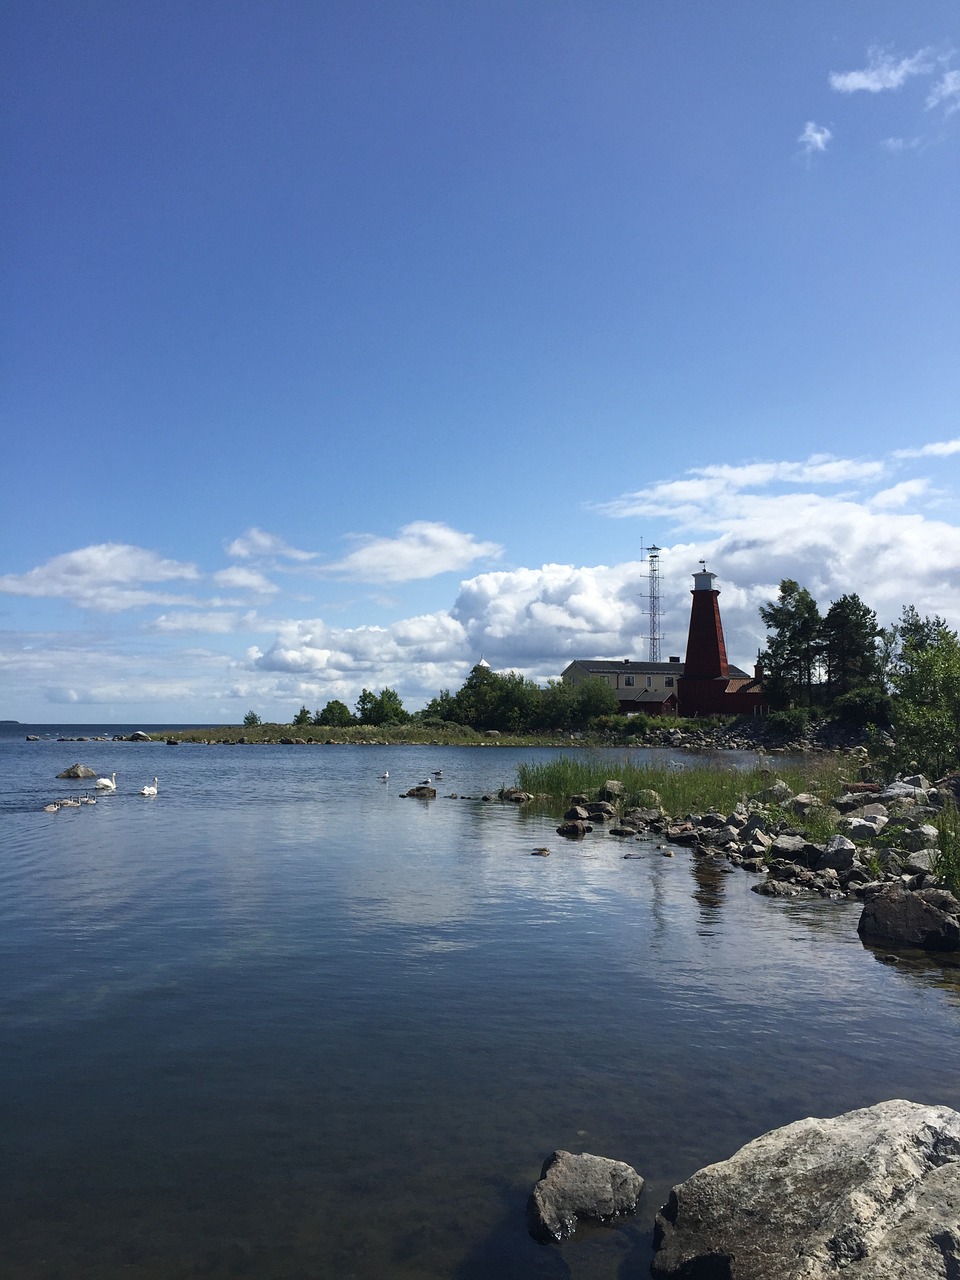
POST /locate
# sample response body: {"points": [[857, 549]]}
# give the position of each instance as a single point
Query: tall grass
{"points": [[947, 862], [697, 789]]}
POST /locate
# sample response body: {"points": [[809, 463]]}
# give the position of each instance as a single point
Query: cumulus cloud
{"points": [[814, 137], [108, 577], [257, 544], [422, 549], [883, 72]]}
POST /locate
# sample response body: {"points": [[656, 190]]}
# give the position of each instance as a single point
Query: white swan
{"points": [[106, 784], [149, 791]]}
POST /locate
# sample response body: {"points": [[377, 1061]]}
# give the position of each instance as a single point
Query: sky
{"points": [[344, 344]]}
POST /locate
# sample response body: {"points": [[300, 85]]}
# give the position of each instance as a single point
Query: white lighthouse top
{"points": [[704, 580]]}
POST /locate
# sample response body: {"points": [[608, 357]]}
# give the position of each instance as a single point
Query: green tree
{"points": [[851, 655], [302, 717], [335, 714], [792, 656], [384, 707], [595, 698], [489, 699], [926, 704], [251, 719], [442, 707]]}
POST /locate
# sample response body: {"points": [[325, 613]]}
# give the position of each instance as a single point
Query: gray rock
{"points": [[575, 829], [611, 790], [923, 862], [926, 919], [871, 1194], [923, 836], [864, 828], [422, 792], [776, 793], [572, 1187], [78, 771], [576, 813], [838, 853]]}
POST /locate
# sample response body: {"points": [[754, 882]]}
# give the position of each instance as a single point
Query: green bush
{"points": [[789, 724]]}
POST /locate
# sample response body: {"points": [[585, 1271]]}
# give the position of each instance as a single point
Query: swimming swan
{"points": [[106, 784], [149, 791]]}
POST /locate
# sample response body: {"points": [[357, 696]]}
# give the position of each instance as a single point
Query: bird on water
{"points": [[149, 790]]}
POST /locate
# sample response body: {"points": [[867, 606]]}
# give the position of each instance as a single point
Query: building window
{"points": [[669, 682], [649, 682], [628, 682]]}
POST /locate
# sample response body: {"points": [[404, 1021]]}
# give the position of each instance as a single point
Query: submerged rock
{"points": [[573, 1187], [872, 1194]]}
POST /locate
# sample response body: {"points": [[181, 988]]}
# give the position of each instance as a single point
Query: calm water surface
{"points": [[278, 1022]]}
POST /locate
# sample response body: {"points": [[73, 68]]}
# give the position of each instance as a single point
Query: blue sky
{"points": [[344, 343]]}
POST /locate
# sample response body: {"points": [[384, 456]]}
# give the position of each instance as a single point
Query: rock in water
{"points": [[580, 1186], [872, 1195], [929, 918], [78, 771]]}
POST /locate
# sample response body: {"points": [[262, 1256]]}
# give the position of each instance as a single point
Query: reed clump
{"points": [[682, 790]]}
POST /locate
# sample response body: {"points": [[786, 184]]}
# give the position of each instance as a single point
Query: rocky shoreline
{"points": [[873, 1194], [885, 851]]}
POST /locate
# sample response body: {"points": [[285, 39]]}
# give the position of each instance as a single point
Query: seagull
{"points": [[106, 784], [149, 791], [385, 775]]}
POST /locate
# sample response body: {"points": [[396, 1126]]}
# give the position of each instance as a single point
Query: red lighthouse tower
{"points": [[706, 651], [710, 685]]}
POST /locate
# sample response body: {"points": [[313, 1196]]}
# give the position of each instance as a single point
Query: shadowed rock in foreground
{"points": [[580, 1186], [870, 1195]]}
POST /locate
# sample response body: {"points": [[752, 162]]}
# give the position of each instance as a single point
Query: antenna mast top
{"points": [[653, 567]]}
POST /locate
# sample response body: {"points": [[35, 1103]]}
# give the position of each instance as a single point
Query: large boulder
{"points": [[927, 918], [872, 1195], [78, 771], [580, 1186]]}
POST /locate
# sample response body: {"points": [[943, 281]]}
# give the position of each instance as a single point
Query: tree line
{"points": [[488, 700], [904, 678]]}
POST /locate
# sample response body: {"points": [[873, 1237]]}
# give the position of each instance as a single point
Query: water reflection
{"points": [[709, 872], [286, 1023]]}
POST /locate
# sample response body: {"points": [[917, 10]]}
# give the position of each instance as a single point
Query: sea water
{"points": [[279, 1022]]}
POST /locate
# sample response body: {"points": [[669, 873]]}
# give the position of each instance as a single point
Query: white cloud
{"points": [[883, 72], [945, 91], [899, 495], [422, 549], [257, 543], [897, 145], [108, 577], [814, 137], [938, 449], [240, 578], [203, 621]]}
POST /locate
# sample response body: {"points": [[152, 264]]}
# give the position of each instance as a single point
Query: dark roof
{"points": [[651, 695], [607, 666]]}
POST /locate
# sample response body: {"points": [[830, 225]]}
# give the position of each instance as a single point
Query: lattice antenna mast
{"points": [[653, 567]]}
